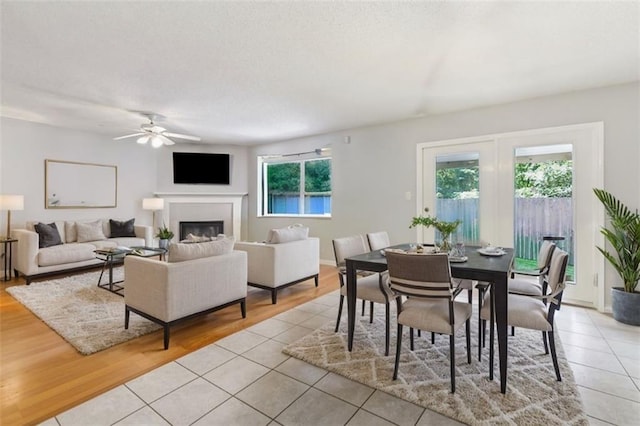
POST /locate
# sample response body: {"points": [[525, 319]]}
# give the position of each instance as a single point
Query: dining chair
{"points": [[372, 286], [378, 240], [522, 286], [425, 279], [536, 312]]}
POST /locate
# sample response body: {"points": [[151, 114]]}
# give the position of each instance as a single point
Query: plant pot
{"points": [[625, 306], [163, 244]]}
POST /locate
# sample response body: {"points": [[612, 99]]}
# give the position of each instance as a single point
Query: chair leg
{"points": [[491, 340], [274, 296], [387, 318], [411, 336], [419, 333], [433, 338], [468, 331], [513, 331], [398, 345], [544, 340], [339, 313], [370, 312], [452, 361], [243, 308], [480, 325], [166, 337], [554, 357], [363, 305], [126, 317]]}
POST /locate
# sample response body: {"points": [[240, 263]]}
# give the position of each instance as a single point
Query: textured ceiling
{"points": [[255, 72]]}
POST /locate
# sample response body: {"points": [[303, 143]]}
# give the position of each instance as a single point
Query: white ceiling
{"points": [[254, 72]]}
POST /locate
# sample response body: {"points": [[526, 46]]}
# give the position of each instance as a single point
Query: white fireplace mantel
{"points": [[235, 199]]}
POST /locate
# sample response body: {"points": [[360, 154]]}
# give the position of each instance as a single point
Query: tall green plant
{"points": [[624, 237]]}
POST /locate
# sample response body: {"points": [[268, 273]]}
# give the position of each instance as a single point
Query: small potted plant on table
{"points": [[164, 235]]}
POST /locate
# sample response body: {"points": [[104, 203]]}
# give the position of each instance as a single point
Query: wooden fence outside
{"points": [[536, 218]]}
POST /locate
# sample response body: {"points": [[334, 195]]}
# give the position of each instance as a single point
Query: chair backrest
{"points": [[349, 246], [419, 275], [378, 240], [557, 272], [544, 255]]}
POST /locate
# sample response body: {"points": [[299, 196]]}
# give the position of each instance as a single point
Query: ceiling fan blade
{"points": [[128, 136], [166, 140], [180, 136]]}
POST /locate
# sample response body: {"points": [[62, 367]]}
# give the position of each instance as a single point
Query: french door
{"points": [[492, 211]]}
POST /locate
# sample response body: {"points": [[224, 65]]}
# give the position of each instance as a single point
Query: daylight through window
{"points": [[300, 186]]}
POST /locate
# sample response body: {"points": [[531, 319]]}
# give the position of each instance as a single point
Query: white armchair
{"points": [[275, 266], [166, 293]]}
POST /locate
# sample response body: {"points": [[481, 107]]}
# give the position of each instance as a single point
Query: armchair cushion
{"points": [[179, 252], [288, 234]]}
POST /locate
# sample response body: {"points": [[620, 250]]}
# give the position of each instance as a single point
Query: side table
{"points": [[8, 255]]}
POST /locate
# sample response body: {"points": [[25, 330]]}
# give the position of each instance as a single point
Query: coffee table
{"points": [[111, 256]]}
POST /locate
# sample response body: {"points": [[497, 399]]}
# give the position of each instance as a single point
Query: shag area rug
{"points": [[88, 317], [533, 394]]}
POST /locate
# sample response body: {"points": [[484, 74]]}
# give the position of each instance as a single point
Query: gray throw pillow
{"points": [[122, 228], [48, 235]]}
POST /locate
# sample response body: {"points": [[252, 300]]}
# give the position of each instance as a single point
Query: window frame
{"points": [[302, 159]]}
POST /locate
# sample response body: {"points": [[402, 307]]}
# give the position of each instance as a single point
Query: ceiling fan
{"points": [[157, 135]]}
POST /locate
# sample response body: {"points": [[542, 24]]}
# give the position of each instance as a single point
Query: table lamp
{"points": [[153, 204], [11, 202]]}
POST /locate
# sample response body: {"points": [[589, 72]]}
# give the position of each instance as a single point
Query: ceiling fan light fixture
{"points": [[143, 140], [156, 142]]}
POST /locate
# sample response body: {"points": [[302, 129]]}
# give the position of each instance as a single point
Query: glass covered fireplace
{"points": [[201, 229]]}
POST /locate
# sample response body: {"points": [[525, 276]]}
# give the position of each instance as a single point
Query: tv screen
{"points": [[200, 168]]}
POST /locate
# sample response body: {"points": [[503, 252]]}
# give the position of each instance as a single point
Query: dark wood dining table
{"points": [[491, 269]]}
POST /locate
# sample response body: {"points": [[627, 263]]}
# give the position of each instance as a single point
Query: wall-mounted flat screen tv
{"points": [[201, 168]]}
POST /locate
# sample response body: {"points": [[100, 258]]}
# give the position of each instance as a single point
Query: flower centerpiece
{"points": [[445, 228]]}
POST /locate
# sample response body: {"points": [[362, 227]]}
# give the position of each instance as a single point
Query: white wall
{"points": [[372, 174], [142, 170]]}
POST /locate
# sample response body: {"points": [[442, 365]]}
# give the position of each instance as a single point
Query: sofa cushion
{"points": [[179, 252], [70, 232], [89, 231], [65, 253], [288, 234], [48, 235], [121, 228]]}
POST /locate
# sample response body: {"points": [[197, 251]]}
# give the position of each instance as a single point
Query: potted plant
{"points": [[445, 228], [164, 235], [624, 238]]}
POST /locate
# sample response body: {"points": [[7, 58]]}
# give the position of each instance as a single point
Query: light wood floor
{"points": [[41, 375]]}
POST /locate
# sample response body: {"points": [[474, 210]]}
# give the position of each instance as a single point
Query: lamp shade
{"points": [[153, 203], [11, 202]]}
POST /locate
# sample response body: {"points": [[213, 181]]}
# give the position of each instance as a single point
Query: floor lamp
{"points": [[153, 204], [8, 203]]}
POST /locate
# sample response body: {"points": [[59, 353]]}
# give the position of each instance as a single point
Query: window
{"points": [[300, 187]]}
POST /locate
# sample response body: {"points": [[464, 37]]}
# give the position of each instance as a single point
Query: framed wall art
{"points": [[73, 185]]}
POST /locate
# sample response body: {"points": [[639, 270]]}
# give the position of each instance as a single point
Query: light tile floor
{"points": [[245, 379]]}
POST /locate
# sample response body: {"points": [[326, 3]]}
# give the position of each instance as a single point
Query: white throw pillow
{"points": [[290, 233], [89, 231], [179, 252], [70, 232]]}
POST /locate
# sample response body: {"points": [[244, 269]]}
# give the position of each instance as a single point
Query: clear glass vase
{"points": [[444, 244]]}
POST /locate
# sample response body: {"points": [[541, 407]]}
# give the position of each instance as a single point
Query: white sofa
{"points": [[32, 262], [169, 292], [273, 266]]}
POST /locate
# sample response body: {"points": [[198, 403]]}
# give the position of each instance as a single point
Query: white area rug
{"points": [[88, 317], [533, 394]]}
